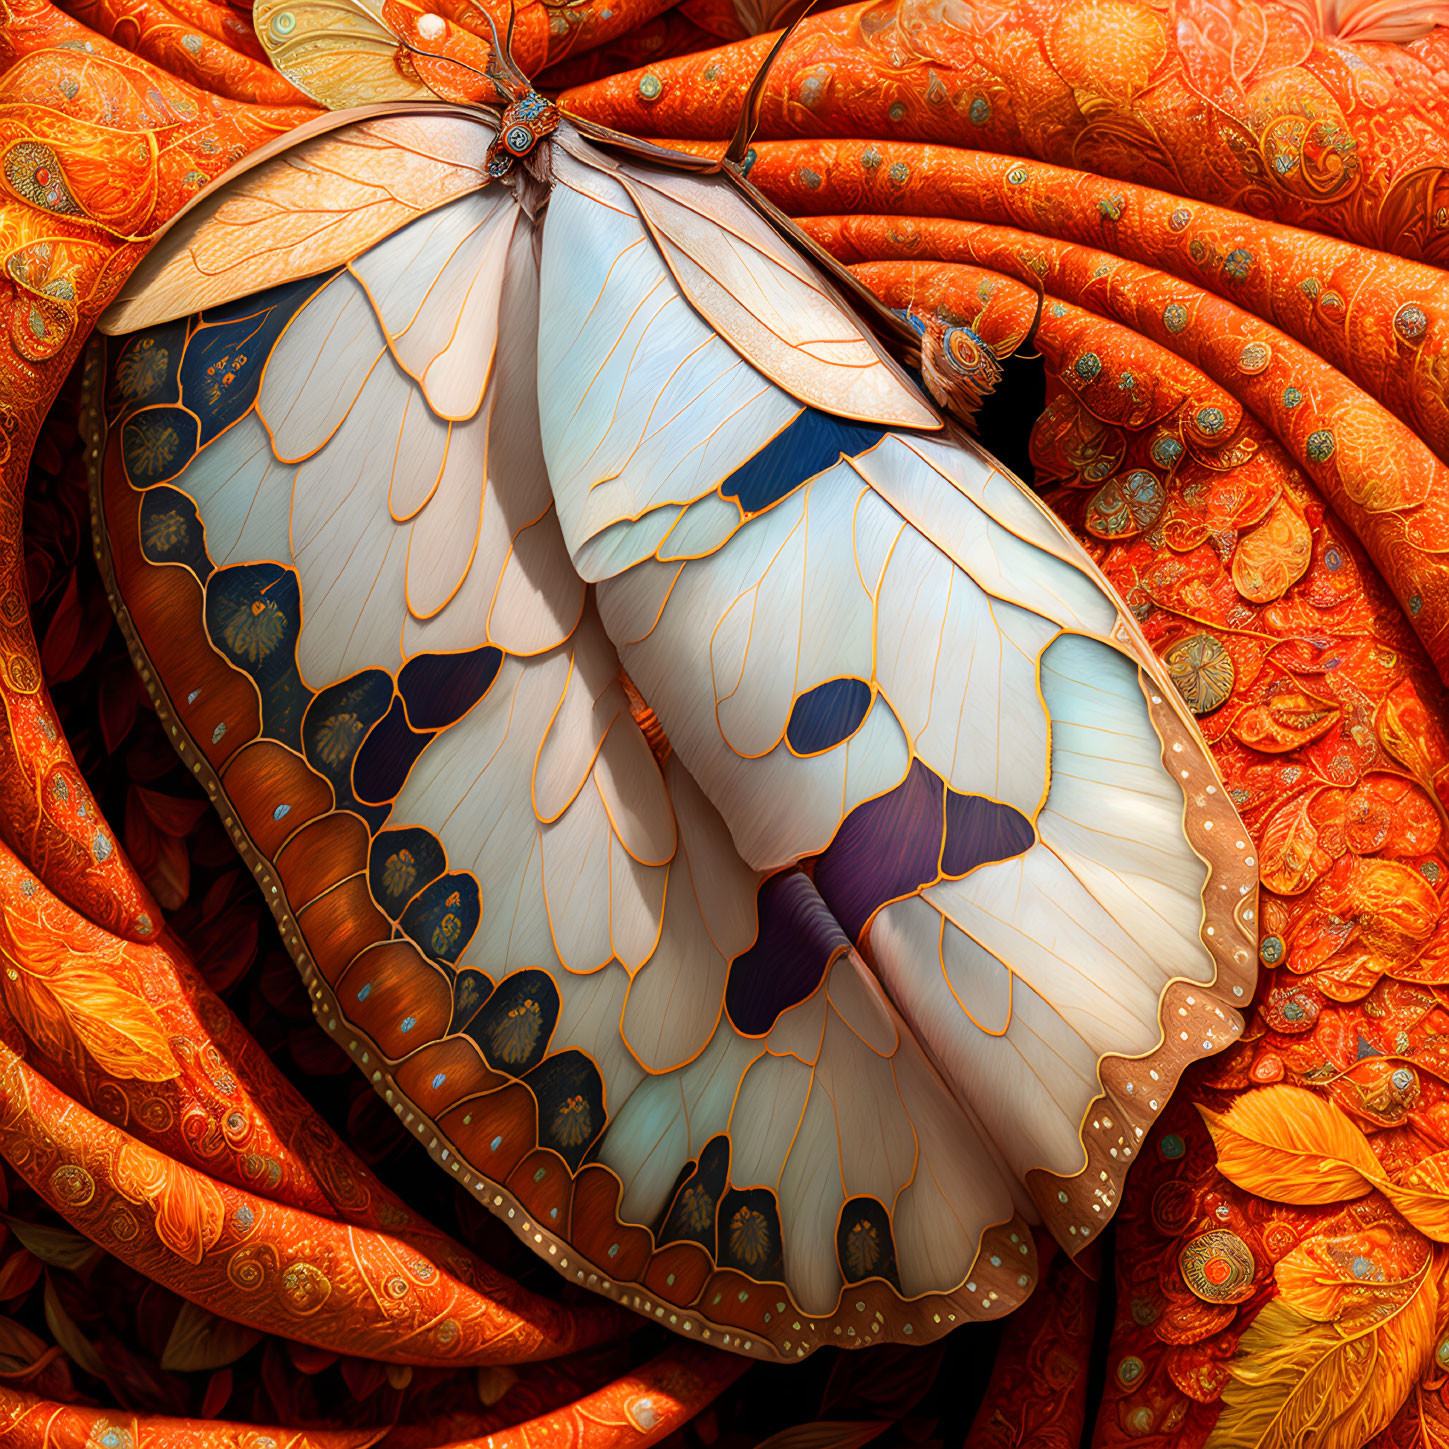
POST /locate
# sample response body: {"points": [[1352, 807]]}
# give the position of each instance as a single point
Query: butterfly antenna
{"points": [[508, 39], [754, 97], [501, 69]]}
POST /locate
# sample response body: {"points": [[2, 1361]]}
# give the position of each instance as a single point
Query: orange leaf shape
{"points": [[1408, 736], [59, 995], [190, 1212], [1290, 857], [1271, 559], [1392, 905], [1326, 1277], [1288, 1144], [1286, 722], [1423, 1196], [1297, 1381]]}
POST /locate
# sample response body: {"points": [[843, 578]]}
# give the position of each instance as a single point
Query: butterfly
{"points": [[725, 815]]}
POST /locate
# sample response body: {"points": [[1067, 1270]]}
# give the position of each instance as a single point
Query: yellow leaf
{"points": [[60, 995], [1423, 1196], [1297, 1381], [1290, 1145], [494, 1380], [1330, 1275]]}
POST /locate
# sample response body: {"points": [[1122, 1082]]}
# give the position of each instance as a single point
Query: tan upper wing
{"points": [[742, 277], [314, 206]]}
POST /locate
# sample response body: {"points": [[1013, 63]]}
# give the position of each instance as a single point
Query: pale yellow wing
{"points": [[340, 52]]}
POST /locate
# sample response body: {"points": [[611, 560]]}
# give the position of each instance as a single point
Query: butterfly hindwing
{"points": [[875, 651]]}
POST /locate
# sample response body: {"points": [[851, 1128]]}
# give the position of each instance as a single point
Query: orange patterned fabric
{"points": [[1244, 422]]}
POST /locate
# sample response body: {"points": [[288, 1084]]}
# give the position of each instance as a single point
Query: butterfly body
{"points": [[724, 814]]}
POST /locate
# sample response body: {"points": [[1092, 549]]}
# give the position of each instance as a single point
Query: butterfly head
{"points": [[524, 123], [959, 367]]}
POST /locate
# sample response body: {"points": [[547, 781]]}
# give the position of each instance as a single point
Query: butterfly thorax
{"points": [[517, 154]]}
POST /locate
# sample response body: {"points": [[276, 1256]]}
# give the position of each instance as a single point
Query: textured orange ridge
{"points": [[349, 1270], [135, 150], [636, 1410]]}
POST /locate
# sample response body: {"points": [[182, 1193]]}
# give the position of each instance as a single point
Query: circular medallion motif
{"points": [[1320, 446], [1166, 451], [966, 351], [73, 1185], [305, 1287], [246, 1269], [1087, 366], [650, 86], [1202, 670], [1174, 317], [1172, 1207], [1217, 1267], [1238, 264], [1254, 358], [1410, 322], [1124, 507], [23, 674]]}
